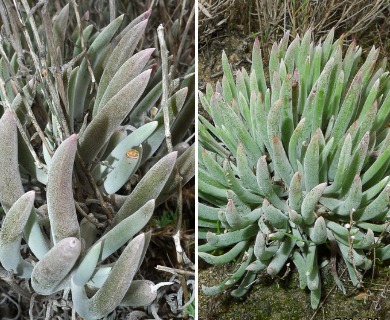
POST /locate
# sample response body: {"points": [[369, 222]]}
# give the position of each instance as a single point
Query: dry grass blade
{"points": [[270, 19]]}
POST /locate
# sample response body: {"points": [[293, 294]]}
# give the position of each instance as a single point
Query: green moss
{"points": [[275, 299]]}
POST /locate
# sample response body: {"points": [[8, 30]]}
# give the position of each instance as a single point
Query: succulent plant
{"points": [[96, 134], [297, 167]]}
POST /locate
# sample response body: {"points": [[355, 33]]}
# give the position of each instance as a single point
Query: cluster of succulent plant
{"points": [[92, 140], [297, 166]]}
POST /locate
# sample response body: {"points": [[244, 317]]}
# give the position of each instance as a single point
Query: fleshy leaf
{"points": [[123, 170], [11, 236], [132, 140], [60, 202], [110, 295], [109, 118], [186, 166], [127, 72], [141, 293], [11, 188], [122, 52], [148, 188], [124, 231], [55, 266]]}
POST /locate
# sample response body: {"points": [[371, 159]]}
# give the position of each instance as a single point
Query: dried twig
{"points": [[41, 64], [86, 216], [327, 296], [18, 88], [168, 138], [184, 37], [178, 178], [20, 127], [56, 62], [9, 278], [32, 117], [112, 10], [92, 182], [82, 42], [175, 271]]}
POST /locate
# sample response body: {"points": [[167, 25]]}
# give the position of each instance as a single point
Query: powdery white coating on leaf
{"points": [[339, 114], [60, 23], [130, 69], [11, 235], [109, 118], [11, 188], [60, 202], [319, 234], [87, 266], [137, 20], [114, 289], [141, 293], [16, 218], [124, 231], [122, 52], [148, 188], [310, 201], [55, 266], [119, 144], [96, 52]]}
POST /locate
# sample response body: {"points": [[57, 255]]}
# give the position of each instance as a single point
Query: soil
{"points": [[276, 299], [238, 48]]}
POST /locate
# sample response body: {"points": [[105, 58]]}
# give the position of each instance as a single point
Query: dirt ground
{"points": [[276, 299], [238, 48]]}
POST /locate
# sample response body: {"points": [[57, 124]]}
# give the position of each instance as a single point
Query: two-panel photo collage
{"points": [[194, 159]]}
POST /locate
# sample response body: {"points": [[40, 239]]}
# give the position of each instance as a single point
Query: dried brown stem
{"points": [[33, 119], [20, 127], [86, 216], [184, 37], [82, 42], [175, 271], [178, 178], [56, 62], [112, 10], [98, 194]]}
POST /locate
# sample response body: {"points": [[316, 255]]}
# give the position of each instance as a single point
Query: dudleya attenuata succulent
{"points": [[107, 146], [296, 164]]}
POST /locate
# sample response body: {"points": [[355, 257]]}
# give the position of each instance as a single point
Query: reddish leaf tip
{"points": [[147, 14]]}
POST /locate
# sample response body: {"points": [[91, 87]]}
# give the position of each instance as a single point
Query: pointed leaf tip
{"points": [[30, 194], [147, 14], [60, 199], [73, 137], [172, 156]]}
